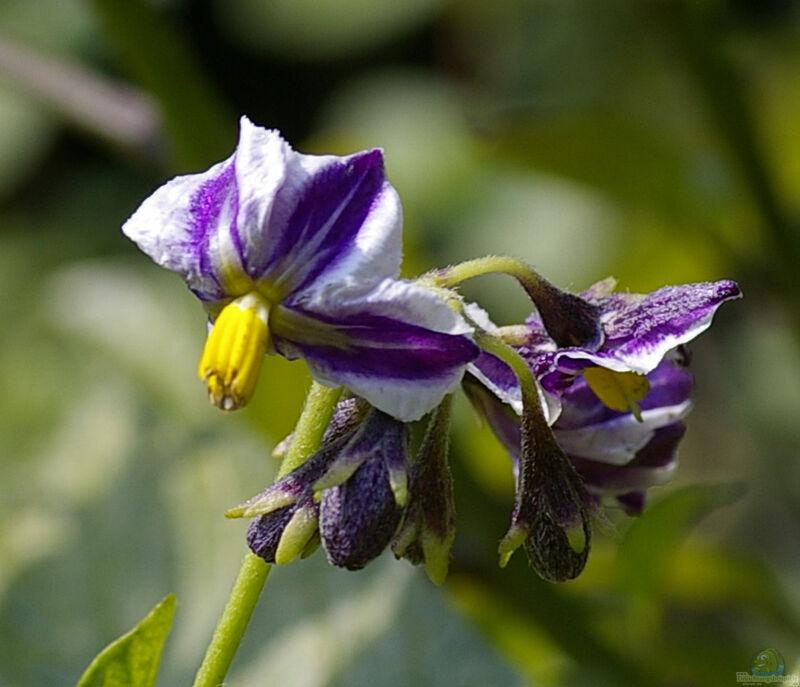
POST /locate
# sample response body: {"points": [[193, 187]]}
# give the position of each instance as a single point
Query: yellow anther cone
{"points": [[234, 352]]}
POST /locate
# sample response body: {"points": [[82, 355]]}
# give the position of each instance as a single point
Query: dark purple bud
{"points": [[550, 515], [287, 511], [569, 319], [282, 533], [359, 516], [378, 435]]}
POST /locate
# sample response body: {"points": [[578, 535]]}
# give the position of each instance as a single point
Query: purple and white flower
{"points": [[615, 454], [639, 330], [308, 248], [619, 451]]}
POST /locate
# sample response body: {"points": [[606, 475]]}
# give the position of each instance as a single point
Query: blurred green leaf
{"points": [[319, 29], [199, 127], [133, 659], [640, 166], [54, 25], [322, 626], [26, 133], [651, 541], [709, 577]]}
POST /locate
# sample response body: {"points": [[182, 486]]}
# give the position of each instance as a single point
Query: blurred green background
{"points": [[657, 141]]}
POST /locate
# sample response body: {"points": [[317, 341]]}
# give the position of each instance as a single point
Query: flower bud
{"points": [[550, 514], [360, 513], [288, 510], [569, 319], [428, 528]]}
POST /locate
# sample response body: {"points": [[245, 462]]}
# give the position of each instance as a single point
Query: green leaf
{"points": [[652, 540], [132, 660]]}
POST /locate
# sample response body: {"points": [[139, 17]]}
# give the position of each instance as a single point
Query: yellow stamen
{"points": [[618, 390], [234, 351]]}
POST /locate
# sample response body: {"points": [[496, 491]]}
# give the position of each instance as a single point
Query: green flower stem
{"points": [[230, 629], [535, 432], [314, 420], [455, 274], [530, 394], [317, 412], [568, 319]]}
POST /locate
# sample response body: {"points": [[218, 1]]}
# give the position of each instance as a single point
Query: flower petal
{"points": [[209, 227], [617, 441], [335, 224], [399, 347], [654, 464], [499, 378], [177, 226], [296, 224], [263, 166], [669, 386], [640, 331], [502, 382]]}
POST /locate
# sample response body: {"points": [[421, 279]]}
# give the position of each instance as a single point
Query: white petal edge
{"points": [[263, 162], [616, 442], [404, 400], [162, 226]]}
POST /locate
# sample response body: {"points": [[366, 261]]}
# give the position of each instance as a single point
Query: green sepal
{"points": [[296, 536], [264, 503]]}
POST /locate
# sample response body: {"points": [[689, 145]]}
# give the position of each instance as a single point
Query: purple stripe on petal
{"points": [[179, 227], [372, 345], [205, 208], [639, 330], [328, 213], [498, 374], [398, 346], [669, 311], [643, 332], [432, 359]]}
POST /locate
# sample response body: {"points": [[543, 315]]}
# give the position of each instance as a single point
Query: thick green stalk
{"points": [[314, 420], [230, 629], [527, 384], [455, 274], [317, 412]]}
